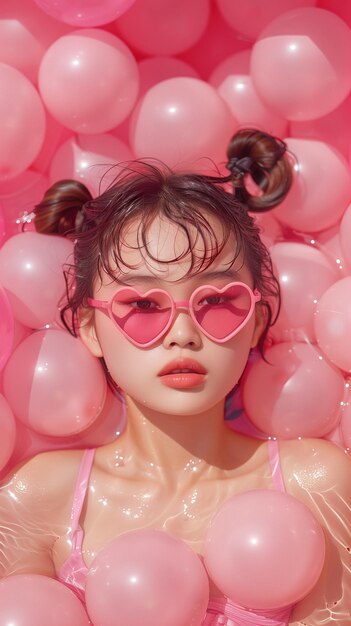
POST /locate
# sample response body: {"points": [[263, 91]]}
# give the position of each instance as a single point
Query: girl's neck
{"points": [[173, 441]]}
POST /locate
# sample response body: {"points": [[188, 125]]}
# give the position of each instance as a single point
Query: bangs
{"points": [[202, 244]]}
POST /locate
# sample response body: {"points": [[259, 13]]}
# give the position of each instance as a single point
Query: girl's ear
{"points": [[260, 321], [87, 333]]}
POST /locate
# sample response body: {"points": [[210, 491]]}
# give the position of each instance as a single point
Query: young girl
{"points": [[173, 289]]}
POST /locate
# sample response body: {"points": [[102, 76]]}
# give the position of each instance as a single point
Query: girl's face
{"points": [[139, 371]]}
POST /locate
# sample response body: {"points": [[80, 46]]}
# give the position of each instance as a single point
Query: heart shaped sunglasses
{"points": [[146, 317]]}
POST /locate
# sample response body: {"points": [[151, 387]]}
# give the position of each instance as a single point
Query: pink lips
{"points": [[183, 373]]}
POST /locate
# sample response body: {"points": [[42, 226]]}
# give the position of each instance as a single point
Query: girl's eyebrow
{"points": [[212, 275]]}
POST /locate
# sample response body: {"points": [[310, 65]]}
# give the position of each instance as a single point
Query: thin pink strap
{"points": [[81, 487], [273, 455]]}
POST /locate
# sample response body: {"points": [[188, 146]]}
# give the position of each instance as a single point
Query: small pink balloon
{"points": [[31, 271], [264, 549], [299, 64], [74, 65], [147, 577], [91, 159], [22, 126], [53, 384], [345, 423], [321, 188], [345, 235], [333, 323], [167, 124], [238, 63], [251, 16], [217, 43], [238, 91], [295, 393], [7, 432], [82, 13], [6, 328], [34, 600], [179, 25], [304, 273], [18, 197]]}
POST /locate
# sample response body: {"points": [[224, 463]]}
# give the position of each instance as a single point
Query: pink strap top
{"points": [[220, 611]]}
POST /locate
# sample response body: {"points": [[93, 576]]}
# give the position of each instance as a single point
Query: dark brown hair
{"points": [[144, 190]]}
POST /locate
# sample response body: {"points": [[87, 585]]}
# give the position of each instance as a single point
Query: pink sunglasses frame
{"points": [[106, 307]]}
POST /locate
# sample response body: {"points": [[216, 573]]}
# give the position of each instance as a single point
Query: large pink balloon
{"points": [[147, 577], [34, 600], [25, 33], [321, 188], [264, 549], [7, 432], [31, 271], [53, 384], [295, 393], [251, 16], [22, 122], [83, 13], [163, 26], [300, 63], [91, 159], [304, 274], [182, 121], [6, 327], [89, 80], [333, 323]]}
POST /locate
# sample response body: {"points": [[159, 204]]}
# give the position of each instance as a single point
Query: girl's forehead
{"points": [[168, 254]]}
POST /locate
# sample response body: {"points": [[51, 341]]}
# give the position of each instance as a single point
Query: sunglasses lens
{"points": [[141, 317], [221, 313]]}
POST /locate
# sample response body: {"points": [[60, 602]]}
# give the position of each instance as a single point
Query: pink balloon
{"points": [[304, 273], [329, 242], [53, 384], [333, 128], [91, 159], [345, 236], [55, 136], [31, 271], [251, 16], [34, 600], [183, 122], [73, 66], [147, 577], [345, 424], [300, 64], [83, 13], [22, 126], [179, 25], [295, 393], [333, 323], [155, 69], [18, 197], [217, 43], [7, 432], [264, 549], [321, 188], [6, 328], [238, 91]]}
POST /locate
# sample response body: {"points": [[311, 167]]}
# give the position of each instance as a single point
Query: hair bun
{"points": [[60, 211], [262, 156]]}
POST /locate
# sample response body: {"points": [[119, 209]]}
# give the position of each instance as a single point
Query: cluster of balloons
{"points": [[94, 85]]}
